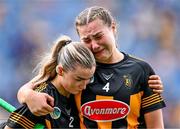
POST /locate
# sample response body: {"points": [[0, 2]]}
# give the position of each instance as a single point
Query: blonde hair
{"points": [[67, 53], [90, 14]]}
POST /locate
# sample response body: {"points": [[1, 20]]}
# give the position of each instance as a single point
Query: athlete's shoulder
{"points": [[46, 87], [136, 59], [41, 87], [143, 65], [139, 61]]}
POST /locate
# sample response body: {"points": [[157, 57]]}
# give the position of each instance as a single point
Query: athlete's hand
{"points": [[39, 103], [155, 83]]}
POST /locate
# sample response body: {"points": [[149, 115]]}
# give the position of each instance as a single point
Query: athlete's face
{"points": [[100, 39], [75, 81]]}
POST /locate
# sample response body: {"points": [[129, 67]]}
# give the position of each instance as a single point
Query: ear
{"points": [[114, 28], [59, 70]]}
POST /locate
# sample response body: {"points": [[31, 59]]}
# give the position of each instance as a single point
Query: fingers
{"points": [[155, 83], [158, 91], [50, 100], [156, 87], [40, 112], [47, 105], [42, 109], [40, 103], [154, 77]]}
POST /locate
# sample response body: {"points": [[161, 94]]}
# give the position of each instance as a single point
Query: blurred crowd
{"points": [[148, 29]]}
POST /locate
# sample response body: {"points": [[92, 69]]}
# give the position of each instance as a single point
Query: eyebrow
{"points": [[83, 78], [94, 35]]}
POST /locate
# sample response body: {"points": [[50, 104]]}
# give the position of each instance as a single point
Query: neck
{"points": [[117, 56], [59, 87]]}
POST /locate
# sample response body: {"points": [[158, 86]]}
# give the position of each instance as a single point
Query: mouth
{"points": [[98, 52]]}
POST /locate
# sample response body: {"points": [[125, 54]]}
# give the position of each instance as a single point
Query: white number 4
{"points": [[106, 87]]}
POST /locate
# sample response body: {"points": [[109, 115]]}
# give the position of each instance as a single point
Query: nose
{"points": [[84, 84], [94, 45]]}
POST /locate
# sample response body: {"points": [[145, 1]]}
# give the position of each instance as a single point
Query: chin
{"points": [[75, 92]]}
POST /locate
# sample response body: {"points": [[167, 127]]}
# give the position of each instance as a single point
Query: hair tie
{"points": [[68, 42]]}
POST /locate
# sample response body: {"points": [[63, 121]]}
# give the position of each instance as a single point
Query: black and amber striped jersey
{"points": [[118, 96], [62, 116]]}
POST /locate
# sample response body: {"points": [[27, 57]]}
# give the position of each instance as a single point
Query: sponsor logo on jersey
{"points": [[56, 113], [127, 80], [105, 110]]}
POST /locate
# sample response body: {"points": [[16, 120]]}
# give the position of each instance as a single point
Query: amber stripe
{"points": [[151, 104], [135, 105], [145, 103], [144, 99], [22, 124], [22, 117], [48, 124], [78, 104], [154, 97]]}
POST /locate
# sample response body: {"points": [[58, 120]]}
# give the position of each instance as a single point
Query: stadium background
{"points": [[148, 29]]}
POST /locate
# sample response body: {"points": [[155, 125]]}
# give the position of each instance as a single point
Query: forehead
{"points": [[82, 72], [91, 28]]}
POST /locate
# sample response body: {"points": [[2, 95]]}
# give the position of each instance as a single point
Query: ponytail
{"points": [[47, 66]]}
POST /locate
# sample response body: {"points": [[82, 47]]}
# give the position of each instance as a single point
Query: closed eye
{"points": [[78, 80], [98, 37]]}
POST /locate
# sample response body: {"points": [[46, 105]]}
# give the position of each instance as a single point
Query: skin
{"points": [[45, 102], [74, 81], [100, 39], [155, 83], [154, 119], [79, 77]]}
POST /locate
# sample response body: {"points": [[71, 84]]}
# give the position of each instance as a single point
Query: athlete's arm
{"points": [[25, 91], [154, 119], [155, 83], [38, 103]]}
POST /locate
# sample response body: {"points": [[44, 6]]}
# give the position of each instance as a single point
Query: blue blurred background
{"points": [[148, 29]]}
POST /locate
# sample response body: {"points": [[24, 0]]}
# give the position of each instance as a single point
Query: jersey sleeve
{"points": [[150, 101], [23, 118]]}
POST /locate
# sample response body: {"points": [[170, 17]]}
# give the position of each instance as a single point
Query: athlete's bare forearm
{"points": [[25, 91], [154, 119]]}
